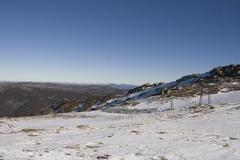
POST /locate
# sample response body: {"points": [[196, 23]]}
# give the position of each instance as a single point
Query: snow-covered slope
{"points": [[139, 126], [189, 133], [232, 97]]}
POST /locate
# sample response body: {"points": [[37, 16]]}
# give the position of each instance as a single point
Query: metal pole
{"points": [[201, 94]]}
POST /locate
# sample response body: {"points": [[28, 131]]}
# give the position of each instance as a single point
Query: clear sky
{"points": [[116, 41]]}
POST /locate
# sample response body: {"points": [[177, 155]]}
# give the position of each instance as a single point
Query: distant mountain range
{"points": [[123, 86], [31, 98]]}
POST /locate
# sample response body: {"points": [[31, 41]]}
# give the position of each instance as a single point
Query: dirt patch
{"points": [[106, 156], [233, 138], [83, 127], [32, 135], [226, 145], [30, 130], [74, 146], [136, 132]]}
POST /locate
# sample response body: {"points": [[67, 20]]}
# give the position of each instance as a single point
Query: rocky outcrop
{"points": [[143, 87], [226, 71]]}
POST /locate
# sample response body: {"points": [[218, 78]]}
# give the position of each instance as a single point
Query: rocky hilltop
{"points": [[217, 79]]}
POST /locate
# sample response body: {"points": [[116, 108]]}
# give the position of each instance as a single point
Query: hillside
{"points": [[26, 98], [225, 78]]}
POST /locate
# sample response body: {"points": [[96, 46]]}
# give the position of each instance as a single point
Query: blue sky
{"points": [[116, 41]]}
